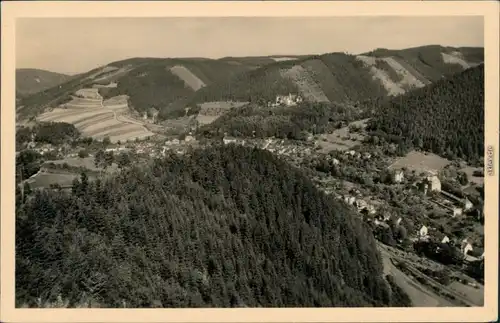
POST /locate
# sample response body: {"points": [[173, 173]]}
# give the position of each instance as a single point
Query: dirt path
{"points": [[118, 119]]}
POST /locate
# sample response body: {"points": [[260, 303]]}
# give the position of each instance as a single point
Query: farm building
{"points": [[229, 140], [445, 239]]}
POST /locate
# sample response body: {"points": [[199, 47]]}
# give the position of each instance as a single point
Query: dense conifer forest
{"points": [[225, 226], [446, 117]]}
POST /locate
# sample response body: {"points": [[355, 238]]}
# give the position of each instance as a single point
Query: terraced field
{"points": [[307, 87], [98, 119], [188, 77]]}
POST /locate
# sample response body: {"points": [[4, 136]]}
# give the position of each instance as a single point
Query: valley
{"points": [[342, 179]]}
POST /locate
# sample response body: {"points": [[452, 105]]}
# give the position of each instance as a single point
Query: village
{"points": [[404, 207]]}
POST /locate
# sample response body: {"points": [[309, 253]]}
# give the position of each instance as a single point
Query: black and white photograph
{"points": [[250, 162]]}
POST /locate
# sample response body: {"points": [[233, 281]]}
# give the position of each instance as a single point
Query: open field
{"points": [[307, 87], [89, 94], [210, 111], [116, 103], [188, 77], [71, 115], [420, 162], [338, 140], [87, 162], [46, 179], [98, 119], [455, 58]]}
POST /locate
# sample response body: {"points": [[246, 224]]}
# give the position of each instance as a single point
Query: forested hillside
{"points": [[224, 227], [343, 77], [30, 80], [284, 122], [446, 117]]}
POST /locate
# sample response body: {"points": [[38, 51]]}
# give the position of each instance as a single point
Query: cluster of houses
{"points": [[431, 183], [357, 154], [465, 246], [286, 100]]}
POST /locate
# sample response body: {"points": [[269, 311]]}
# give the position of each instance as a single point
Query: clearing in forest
{"points": [[455, 58], [188, 77], [210, 111], [308, 88], [420, 162], [408, 80], [392, 87], [341, 139]]}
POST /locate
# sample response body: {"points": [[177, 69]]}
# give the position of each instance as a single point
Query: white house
{"points": [[434, 183], [398, 176], [457, 211], [467, 205], [423, 233], [465, 247], [445, 239], [349, 199], [228, 140]]}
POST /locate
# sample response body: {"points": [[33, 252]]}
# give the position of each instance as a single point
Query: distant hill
{"points": [[172, 84], [259, 233], [340, 77], [446, 117], [30, 81]]}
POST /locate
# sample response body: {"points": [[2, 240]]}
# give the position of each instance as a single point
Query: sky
{"points": [[76, 45]]}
